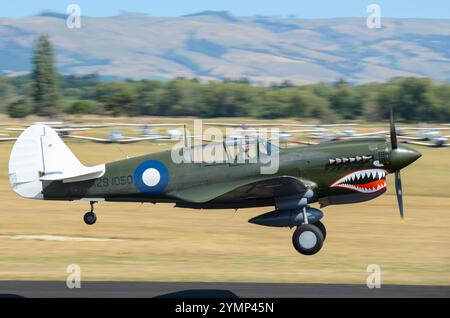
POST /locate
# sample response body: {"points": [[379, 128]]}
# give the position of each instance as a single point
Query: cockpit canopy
{"points": [[232, 151]]}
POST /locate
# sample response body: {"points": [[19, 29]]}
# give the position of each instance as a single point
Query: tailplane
{"points": [[40, 155]]}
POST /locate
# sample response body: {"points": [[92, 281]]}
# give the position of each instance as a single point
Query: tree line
{"points": [[46, 93]]}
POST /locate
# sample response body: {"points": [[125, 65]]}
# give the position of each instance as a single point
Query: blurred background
{"points": [[299, 62]]}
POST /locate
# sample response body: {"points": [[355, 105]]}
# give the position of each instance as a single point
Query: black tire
{"points": [[307, 239], [90, 218], [322, 229]]}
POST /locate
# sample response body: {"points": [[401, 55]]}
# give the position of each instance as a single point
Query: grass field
{"points": [[162, 243]]}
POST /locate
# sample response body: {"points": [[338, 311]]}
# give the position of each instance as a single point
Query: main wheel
{"points": [[90, 218], [322, 229], [307, 239]]}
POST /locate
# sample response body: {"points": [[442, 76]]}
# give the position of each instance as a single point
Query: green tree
{"points": [[118, 98], [226, 99], [308, 105], [274, 104], [415, 101], [7, 93], [19, 108], [441, 109], [121, 103], [147, 97], [44, 80], [183, 98], [345, 101], [79, 107]]}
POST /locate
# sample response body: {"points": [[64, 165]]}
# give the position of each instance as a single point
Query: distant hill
{"points": [[216, 45]]}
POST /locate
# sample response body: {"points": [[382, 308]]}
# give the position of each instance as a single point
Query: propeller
{"points": [[398, 180], [398, 190], [393, 132]]}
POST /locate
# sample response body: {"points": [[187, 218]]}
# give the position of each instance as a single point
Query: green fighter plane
{"points": [[42, 167]]}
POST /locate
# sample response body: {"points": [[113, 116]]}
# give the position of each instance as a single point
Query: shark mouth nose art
{"points": [[364, 181]]}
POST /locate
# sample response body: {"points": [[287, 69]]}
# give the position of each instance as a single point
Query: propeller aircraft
{"points": [[429, 137], [42, 167], [114, 137], [147, 134]]}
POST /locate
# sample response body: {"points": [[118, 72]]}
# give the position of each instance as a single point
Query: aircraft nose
{"points": [[403, 156]]}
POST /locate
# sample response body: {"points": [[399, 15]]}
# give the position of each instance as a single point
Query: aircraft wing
{"points": [[318, 136], [427, 128], [7, 138], [337, 125], [382, 132], [260, 188], [143, 125], [245, 124], [299, 131], [15, 129], [130, 140], [428, 144], [275, 124], [59, 129], [88, 126], [94, 139], [125, 140], [321, 125], [409, 138], [71, 129], [303, 142]]}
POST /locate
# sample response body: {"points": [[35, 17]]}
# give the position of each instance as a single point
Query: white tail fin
{"points": [[40, 155]]}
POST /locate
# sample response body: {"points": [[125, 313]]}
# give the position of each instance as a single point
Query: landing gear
{"points": [[90, 217], [322, 229], [310, 234], [307, 239]]}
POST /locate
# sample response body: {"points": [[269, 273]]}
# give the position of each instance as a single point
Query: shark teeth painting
{"points": [[363, 181]]}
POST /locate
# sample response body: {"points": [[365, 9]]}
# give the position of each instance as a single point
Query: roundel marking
{"points": [[151, 177]]}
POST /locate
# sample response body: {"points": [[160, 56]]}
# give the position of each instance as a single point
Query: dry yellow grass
{"points": [[159, 242]]}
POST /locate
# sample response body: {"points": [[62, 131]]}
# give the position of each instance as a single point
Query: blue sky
{"points": [[302, 9]]}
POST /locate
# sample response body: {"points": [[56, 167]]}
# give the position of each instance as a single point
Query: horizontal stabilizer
{"points": [[76, 176]]}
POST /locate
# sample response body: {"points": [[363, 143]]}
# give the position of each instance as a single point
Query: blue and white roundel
{"points": [[151, 177]]}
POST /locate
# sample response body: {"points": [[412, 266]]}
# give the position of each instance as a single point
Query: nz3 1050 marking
{"points": [[114, 181]]}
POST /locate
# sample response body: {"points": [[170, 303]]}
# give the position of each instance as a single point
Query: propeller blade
{"points": [[399, 192], [398, 180], [393, 132]]}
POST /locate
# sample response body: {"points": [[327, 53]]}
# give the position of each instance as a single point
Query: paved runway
{"points": [[175, 289]]}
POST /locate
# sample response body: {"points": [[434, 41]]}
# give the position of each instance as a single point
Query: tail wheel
{"points": [[90, 218], [322, 229], [307, 239]]}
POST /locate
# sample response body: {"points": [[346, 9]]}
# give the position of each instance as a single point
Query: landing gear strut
{"points": [[90, 217], [310, 233]]}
